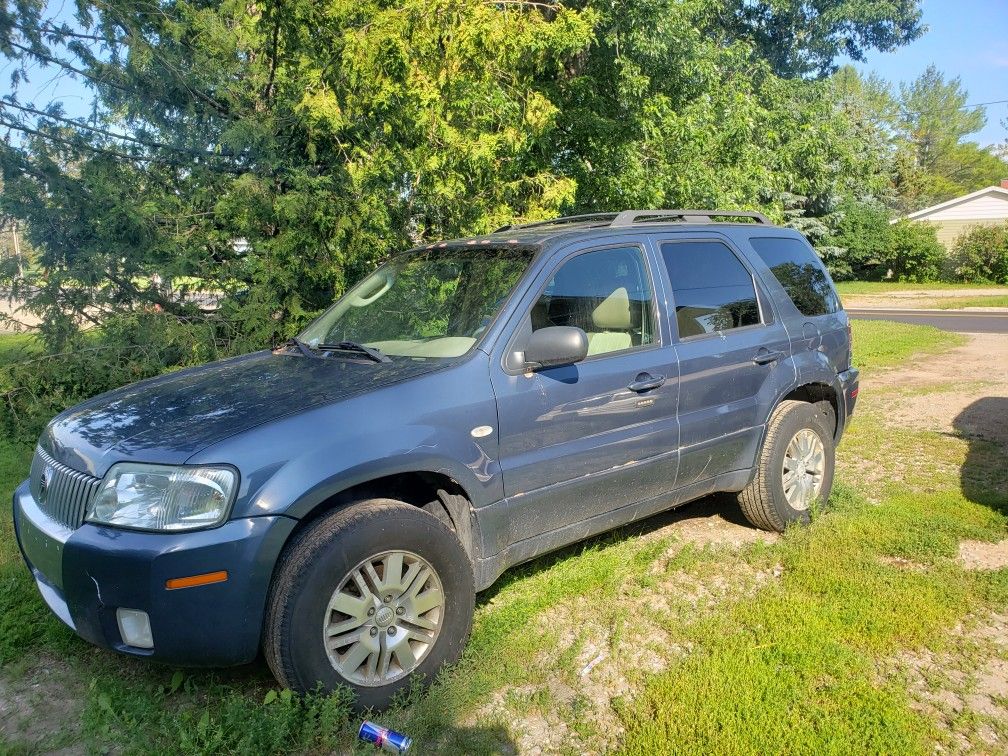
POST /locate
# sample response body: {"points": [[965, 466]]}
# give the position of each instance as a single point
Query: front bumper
{"points": [[84, 575]]}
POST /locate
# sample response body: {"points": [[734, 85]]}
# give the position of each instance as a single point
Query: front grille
{"points": [[60, 491]]}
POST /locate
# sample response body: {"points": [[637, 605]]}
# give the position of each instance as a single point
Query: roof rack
{"points": [[558, 221], [629, 217]]}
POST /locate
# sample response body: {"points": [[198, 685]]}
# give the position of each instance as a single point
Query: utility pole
{"points": [[17, 248]]}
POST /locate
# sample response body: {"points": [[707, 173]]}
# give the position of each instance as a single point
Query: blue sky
{"points": [[965, 38]]}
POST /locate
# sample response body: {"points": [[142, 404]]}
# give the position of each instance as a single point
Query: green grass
{"points": [[25, 622], [14, 461], [794, 670], [880, 343], [17, 346], [954, 303], [791, 663], [846, 288]]}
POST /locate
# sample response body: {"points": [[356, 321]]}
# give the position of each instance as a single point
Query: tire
{"points": [[300, 620], [764, 501]]}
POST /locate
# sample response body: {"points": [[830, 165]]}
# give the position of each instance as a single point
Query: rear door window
{"points": [[798, 269], [713, 290]]}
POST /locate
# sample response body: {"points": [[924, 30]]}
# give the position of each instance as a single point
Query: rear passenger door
{"points": [[733, 351]]}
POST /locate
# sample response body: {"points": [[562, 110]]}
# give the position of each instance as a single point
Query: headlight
{"points": [[163, 497]]}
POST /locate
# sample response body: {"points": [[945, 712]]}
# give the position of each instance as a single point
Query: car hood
{"points": [[169, 418]]}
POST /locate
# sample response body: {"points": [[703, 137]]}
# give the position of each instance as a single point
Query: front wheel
{"points": [[369, 597], [794, 471]]}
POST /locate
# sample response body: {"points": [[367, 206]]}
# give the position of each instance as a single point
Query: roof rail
{"points": [[558, 221], [629, 217]]}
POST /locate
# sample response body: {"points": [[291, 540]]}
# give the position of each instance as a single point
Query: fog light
{"points": [[134, 627]]}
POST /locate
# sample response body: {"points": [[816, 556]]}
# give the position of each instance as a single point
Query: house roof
{"points": [[995, 190]]}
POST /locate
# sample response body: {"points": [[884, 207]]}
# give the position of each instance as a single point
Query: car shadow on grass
{"points": [[984, 474], [713, 520], [468, 740]]}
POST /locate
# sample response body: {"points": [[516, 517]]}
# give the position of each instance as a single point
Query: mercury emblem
{"points": [[47, 476]]}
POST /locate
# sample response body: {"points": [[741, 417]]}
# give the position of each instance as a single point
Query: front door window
{"points": [[607, 294]]}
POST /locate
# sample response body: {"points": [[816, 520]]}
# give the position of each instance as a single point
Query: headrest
{"points": [[613, 314]]}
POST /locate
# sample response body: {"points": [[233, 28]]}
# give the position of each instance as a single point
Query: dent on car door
{"points": [[576, 441], [730, 347]]}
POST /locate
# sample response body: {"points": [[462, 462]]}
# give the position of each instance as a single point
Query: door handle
{"points": [[764, 357], [646, 382]]}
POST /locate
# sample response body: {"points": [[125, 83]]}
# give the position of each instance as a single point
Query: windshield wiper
{"points": [[301, 347], [353, 346]]}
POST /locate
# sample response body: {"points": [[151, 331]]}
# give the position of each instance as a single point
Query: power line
{"points": [[981, 104], [4, 103], [47, 57], [126, 157]]}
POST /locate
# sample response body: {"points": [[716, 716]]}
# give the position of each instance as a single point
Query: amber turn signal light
{"points": [[193, 580]]}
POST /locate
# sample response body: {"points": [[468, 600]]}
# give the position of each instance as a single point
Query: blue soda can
{"points": [[384, 738]]}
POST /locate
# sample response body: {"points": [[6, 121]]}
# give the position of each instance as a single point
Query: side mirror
{"points": [[555, 346]]}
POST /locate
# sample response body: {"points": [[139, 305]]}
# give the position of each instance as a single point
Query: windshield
{"points": [[424, 304]]}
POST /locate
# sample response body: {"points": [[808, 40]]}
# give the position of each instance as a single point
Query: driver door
{"points": [[579, 441]]}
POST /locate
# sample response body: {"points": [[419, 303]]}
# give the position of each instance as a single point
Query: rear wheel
{"points": [[369, 597], [794, 472]]}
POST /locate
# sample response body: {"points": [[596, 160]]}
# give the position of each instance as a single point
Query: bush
{"points": [[125, 349], [866, 247], [913, 253], [859, 243], [981, 255]]}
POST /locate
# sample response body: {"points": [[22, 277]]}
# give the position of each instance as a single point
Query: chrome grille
{"points": [[60, 491]]}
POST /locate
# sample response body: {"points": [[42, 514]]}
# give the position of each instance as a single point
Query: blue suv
{"points": [[337, 501]]}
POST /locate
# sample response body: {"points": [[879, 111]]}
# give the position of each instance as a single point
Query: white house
{"points": [[986, 207]]}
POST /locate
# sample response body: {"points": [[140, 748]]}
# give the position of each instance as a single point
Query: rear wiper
{"points": [[301, 347], [353, 346]]}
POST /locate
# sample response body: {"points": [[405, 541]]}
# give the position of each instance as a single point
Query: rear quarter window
{"points": [[797, 268]]}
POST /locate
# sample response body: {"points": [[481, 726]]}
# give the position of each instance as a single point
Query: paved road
{"points": [[947, 320]]}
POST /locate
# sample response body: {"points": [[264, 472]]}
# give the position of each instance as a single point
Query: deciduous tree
{"points": [[273, 150]]}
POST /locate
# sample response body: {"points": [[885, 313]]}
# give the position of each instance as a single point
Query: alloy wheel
{"points": [[804, 469], [383, 618]]}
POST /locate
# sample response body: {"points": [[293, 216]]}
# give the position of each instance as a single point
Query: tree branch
{"points": [[234, 171], [112, 135], [274, 43], [66, 66], [50, 30]]}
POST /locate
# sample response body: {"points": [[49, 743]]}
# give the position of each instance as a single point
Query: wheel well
{"points": [[817, 392], [433, 492]]}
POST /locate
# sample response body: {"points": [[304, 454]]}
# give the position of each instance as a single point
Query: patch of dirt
{"points": [[961, 394], [10, 309], [966, 691], [37, 697], [602, 654], [917, 299], [713, 521], [980, 555], [537, 732], [973, 400], [904, 564]]}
